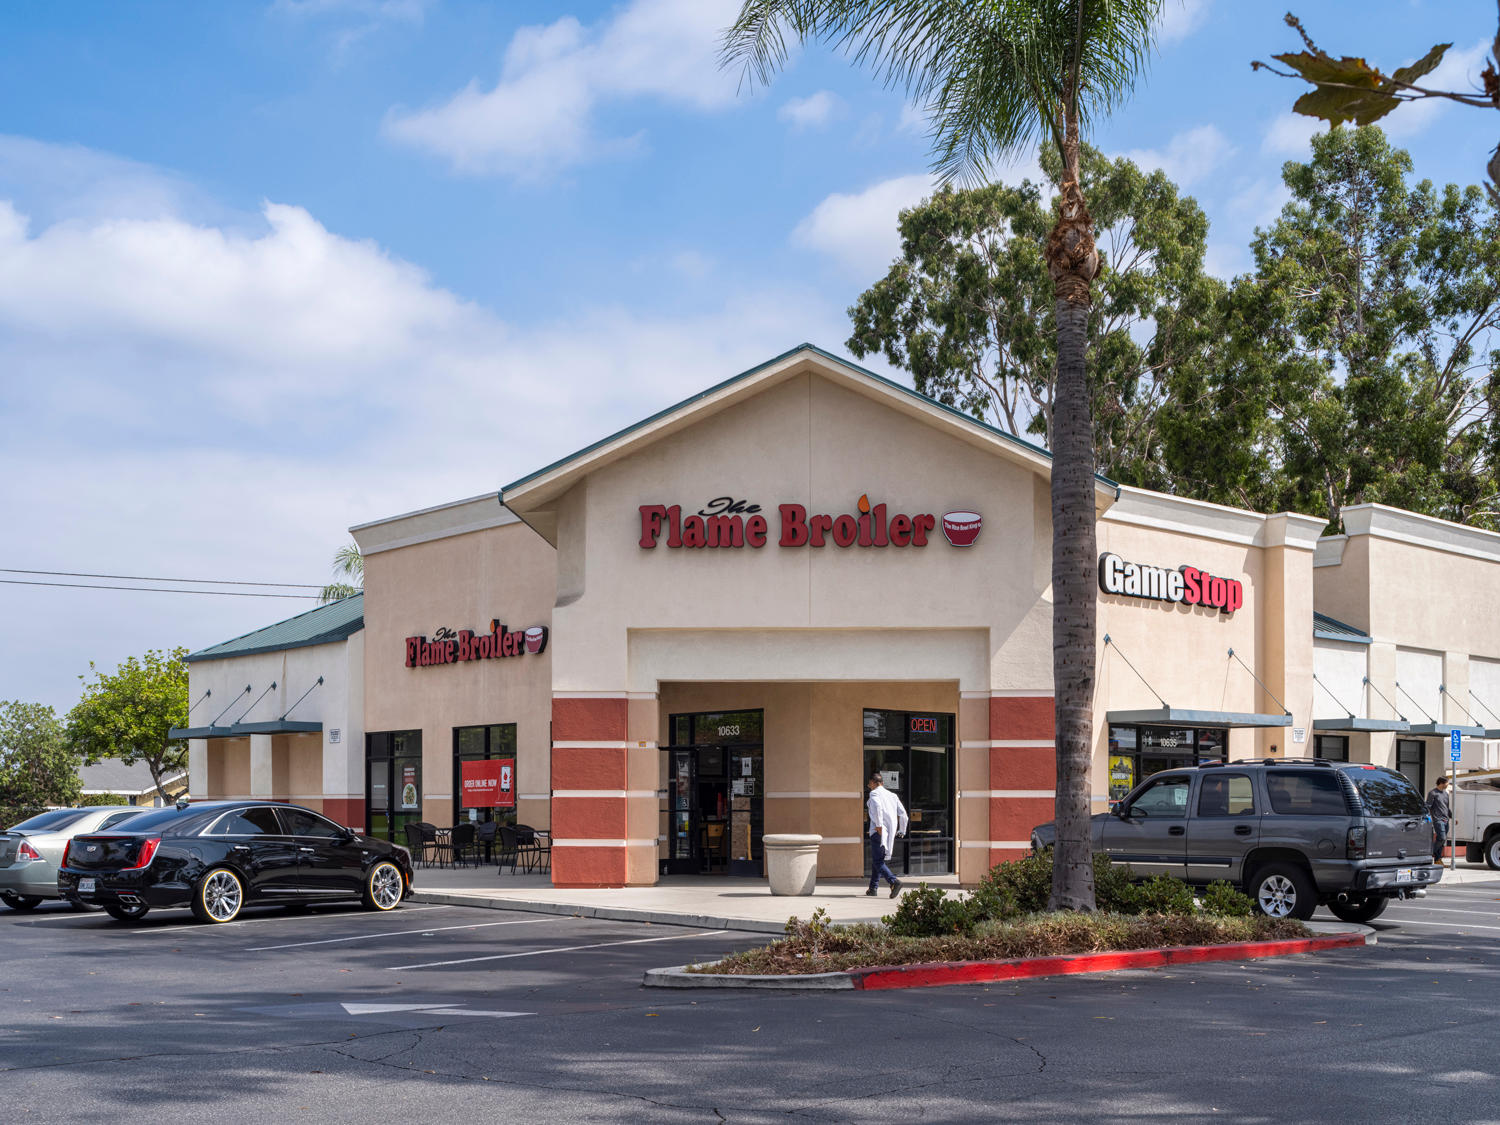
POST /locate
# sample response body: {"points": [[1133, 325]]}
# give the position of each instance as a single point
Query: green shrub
{"points": [[1021, 886], [926, 911], [1162, 894], [1114, 892], [1223, 901]]}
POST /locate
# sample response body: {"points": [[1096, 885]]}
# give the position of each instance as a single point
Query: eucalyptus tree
{"points": [[995, 78]]}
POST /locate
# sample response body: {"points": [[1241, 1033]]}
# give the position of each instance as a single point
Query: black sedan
{"points": [[220, 856]]}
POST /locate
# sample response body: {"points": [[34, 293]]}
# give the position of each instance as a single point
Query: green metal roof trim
{"points": [[1326, 628], [324, 625], [717, 387]]}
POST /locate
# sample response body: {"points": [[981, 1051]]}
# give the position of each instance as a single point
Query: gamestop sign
{"points": [[1187, 584]]}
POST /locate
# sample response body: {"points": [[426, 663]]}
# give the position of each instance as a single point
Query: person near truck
{"points": [[888, 820], [1440, 808]]}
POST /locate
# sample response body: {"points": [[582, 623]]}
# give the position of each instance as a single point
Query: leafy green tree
{"points": [[37, 767], [994, 77], [967, 307], [348, 564], [1350, 89], [127, 715], [1359, 366]]}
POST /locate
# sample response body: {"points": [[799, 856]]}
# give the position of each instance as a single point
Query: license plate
{"points": [[1403, 875], [85, 886]]}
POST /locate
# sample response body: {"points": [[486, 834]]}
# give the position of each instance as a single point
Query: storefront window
{"points": [[1334, 747], [487, 792], [1135, 753], [393, 783], [1411, 759], [913, 751], [716, 786]]}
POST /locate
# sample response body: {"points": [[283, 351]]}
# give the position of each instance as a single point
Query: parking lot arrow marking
{"points": [[376, 1009]]}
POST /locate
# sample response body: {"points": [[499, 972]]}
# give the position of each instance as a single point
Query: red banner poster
{"points": [[489, 785]]}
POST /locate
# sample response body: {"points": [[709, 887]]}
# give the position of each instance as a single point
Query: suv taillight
{"points": [[1354, 843], [26, 851], [148, 851]]}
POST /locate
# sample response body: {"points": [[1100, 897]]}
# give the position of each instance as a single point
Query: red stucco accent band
{"points": [[348, 811], [974, 972], [576, 768], [1013, 818], [589, 720], [1005, 855], [1021, 717], [588, 818], [1023, 767], [588, 867]]}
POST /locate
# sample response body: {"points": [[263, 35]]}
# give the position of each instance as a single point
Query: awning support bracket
{"points": [[304, 695], [1414, 703], [215, 720], [1109, 643], [258, 698], [1331, 696], [1371, 685], [1443, 691], [1258, 680]]}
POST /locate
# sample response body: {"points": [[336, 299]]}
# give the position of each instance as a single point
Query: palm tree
{"points": [[348, 562], [997, 77]]}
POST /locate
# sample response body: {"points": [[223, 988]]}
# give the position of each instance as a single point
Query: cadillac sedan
{"points": [[220, 856], [32, 851]]}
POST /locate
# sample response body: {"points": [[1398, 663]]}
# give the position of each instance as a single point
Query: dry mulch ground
{"points": [[814, 948]]}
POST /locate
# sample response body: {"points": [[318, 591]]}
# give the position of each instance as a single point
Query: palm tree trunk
{"points": [[1073, 261]]}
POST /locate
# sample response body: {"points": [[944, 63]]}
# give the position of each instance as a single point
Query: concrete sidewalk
{"points": [[716, 902]]}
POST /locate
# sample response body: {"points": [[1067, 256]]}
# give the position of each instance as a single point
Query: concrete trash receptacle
{"points": [[791, 863]]}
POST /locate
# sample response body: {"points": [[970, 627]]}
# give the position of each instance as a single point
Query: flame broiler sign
{"points": [[727, 522]]}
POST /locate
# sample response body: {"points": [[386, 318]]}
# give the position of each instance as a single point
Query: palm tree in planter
{"points": [[997, 77]]}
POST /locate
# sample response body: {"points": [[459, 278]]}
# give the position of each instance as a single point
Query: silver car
{"points": [[32, 851]]}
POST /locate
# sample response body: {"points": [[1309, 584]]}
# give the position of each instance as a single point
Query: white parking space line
{"points": [[196, 928], [398, 933], [1430, 909], [563, 949], [1463, 926]]}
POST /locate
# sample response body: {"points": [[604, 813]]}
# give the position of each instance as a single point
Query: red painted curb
{"points": [[976, 972]]}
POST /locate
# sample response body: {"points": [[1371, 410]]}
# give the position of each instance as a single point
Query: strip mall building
{"points": [[714, 624]]}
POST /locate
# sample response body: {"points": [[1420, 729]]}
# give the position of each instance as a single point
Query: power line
{"points": [[156, 589], [158, 578]]}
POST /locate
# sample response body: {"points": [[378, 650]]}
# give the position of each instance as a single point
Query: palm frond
{"points": [[991, 74]]}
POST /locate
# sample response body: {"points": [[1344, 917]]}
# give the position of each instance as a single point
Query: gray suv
{"points": [[1293, 832]]}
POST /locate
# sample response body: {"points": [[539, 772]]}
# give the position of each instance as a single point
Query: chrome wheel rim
{"points": [[1277, 896], [385, 886], [221, 896]]}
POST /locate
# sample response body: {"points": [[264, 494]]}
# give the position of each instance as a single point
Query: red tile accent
{"points": [[588, 867], [1004, 855], [1013, 818], [588, 818], [589, 720], [348, 811], [1022, 767], [1021, 717], [574, 768]]}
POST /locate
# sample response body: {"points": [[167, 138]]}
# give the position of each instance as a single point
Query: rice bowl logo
{"points": [[962, 528]]}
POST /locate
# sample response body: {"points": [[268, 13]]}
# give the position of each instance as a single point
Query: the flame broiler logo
{"points": [[727, 522]]}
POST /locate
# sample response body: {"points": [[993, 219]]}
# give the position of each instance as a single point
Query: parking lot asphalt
{"points": [[441, 1013]]}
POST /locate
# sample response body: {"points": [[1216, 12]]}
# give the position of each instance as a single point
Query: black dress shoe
{"points": [[896, 888], [870, 893]]}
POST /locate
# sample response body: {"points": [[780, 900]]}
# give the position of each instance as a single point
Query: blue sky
{"points": [[269, 270]]}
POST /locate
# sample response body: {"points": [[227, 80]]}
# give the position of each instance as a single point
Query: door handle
{"points": [[307, 849], [240, 848], [1176, 830], [1242, 830]]}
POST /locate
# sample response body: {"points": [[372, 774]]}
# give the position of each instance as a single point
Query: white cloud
{"points": [[1457, 73], [355, 19], [858, 231], [1291, 134], [811, 112], [1179, 19], [185, 397], [913, 120], [538, 118], [1189, 156]]}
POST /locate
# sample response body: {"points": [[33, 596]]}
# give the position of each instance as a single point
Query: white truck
{"points": [[1476, 817]]}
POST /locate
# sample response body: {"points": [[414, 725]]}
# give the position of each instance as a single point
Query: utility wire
{"points": [[156, 589], [158, 578]]}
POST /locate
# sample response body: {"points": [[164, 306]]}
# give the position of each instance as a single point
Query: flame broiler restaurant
{"points": [[715, 624]]}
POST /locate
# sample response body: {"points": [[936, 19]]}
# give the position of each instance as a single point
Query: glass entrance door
{"points": [[715, 794], [914, 754], [393, 783]]}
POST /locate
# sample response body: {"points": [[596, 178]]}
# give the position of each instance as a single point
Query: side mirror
{"points": [[1118, 808], [348, 837]]}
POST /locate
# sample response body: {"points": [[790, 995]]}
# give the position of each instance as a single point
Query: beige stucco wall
{"points": [[463, 582]]}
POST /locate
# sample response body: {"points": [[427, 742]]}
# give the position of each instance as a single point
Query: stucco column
{"points": [[260, 765], [1285, 613], [197, 767]]}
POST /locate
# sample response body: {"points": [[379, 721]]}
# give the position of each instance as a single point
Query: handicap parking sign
{"points": [[1455, 745]]}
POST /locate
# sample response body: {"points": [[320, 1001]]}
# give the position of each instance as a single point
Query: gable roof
{"points": [[335, 621], [110, 775], [532, 491]]}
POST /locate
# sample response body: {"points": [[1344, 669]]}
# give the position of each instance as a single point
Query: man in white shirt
{"points": [[887, 821]]}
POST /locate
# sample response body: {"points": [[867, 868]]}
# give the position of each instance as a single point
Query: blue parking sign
{"points": [[1455, 745]]}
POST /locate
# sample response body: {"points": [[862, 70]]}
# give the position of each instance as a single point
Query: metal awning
{"points": [[1181, 717], [1354, 725], [239, 730], [1443, 730]]}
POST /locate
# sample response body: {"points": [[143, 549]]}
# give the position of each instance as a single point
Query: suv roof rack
{"points": [[1289, 761]]}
